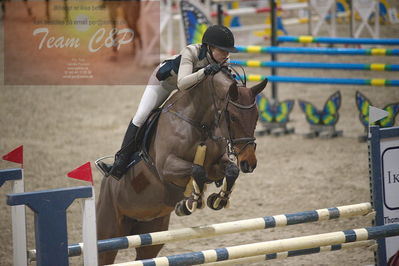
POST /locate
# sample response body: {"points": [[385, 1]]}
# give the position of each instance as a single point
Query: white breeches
{"points": [[154, 95]]}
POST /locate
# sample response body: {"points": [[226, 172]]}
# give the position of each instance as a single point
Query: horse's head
{"points": [[241, 118], [238, 115]]}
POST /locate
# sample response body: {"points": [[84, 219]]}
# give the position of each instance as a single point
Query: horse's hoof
{"points": [[212, 199], [181, 209]]}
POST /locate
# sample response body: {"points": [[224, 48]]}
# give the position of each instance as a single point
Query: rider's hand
{"points": [[212, 69]]}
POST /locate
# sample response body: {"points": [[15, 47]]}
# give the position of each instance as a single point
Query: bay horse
{"points": [[217, 113], [131, 14]]}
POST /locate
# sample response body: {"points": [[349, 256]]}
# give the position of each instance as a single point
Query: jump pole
{"points": [[317, 65], [163, 237], [315, 80], [317, 51], [336, 40], [269, 247], [253, 10], [294, 253]]}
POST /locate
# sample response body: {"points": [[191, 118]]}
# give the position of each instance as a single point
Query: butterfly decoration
{"points": [[363, 103], [277, 112], [195, 22], [328, 116]]}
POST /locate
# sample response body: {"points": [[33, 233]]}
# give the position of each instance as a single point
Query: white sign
{"points": [[390, 170]]}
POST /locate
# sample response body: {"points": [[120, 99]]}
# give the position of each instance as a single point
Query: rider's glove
{"points": [[212, 69]]}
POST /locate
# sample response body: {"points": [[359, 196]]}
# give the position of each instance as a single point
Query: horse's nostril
{"points": [[243, 164]]}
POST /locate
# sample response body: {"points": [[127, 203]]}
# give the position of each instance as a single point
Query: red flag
{"points": [[82, 173], [16, 155]]}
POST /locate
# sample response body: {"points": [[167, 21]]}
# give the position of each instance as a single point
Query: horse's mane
{"points": [[223, 76]]}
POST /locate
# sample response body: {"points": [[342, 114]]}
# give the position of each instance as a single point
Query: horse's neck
{"points": [[200, 103]]}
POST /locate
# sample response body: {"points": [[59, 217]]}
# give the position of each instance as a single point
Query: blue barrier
{"points": [[50, 207]]}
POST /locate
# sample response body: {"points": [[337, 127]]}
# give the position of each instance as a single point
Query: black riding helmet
{"points": [[221, 37]]}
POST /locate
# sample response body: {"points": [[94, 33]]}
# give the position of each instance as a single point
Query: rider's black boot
{"points": [[123, 156]]}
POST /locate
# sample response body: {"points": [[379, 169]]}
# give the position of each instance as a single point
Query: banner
{"points": [[80, 42]]}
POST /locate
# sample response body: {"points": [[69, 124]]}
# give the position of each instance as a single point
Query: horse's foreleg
{"points": [[178, 171], [66, 9], [113, 14], [48, 10], [217, 201], [3, 7], [159, 224], [28, 8], [194, 192]]}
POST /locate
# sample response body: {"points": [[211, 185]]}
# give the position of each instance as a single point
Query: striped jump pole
{"points": [[294, 253], [336, 40], [316, 80], [253, 10], [316, 65], [270, 247], [157, 238], [316, 51]]}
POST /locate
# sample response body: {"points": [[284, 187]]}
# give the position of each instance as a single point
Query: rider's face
{"points": [[219, 54]]}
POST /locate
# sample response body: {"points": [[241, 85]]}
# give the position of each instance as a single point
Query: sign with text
{"points": [[385, 169], [390, 171], [81, 42]]}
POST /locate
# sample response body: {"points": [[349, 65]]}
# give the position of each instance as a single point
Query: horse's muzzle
{"points": [[247, 159], [246, 167]]}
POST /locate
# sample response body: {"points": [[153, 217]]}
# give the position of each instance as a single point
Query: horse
{"points": [[217, 113], [131, 15]]}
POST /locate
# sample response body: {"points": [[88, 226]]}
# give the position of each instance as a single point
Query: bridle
{"points": [[231, 140]]}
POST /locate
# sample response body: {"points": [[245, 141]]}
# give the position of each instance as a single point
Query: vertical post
{"points": [[90, 251], [377, 21], [220, 13], [16, 176], [309, 18], [51, 233], [273, 39], [183, 40], [351, 19], [333, 32], [375, 182], [169, 27]]}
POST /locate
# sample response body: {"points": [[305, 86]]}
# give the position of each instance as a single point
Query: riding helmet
{"points": [[221, 37]]}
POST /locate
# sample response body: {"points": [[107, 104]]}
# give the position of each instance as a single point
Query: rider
{"points": [[181, 72]]}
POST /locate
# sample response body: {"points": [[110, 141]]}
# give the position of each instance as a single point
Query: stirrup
{"points": [[103, 167]]}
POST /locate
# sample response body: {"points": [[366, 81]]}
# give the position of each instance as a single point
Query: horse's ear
{"points": [[233, 91], [259, 87]]}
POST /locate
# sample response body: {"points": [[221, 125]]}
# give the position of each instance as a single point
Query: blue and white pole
{"points": [[270, 247]]}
